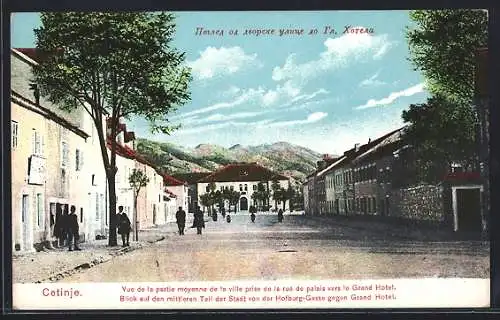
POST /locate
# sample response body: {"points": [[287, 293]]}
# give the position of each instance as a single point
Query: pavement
{"points": [[299, 248], [59, 263]]}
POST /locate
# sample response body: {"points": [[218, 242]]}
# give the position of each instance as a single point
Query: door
{"points": [[25, 222], [154, 213], [469, 210], [243, 204]]}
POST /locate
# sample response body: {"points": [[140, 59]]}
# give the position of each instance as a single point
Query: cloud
{"points": [[372, 81], [245, 96], [393, 96], [282, 96], [340, 52], [311, 118], [218, 117], [285, 91], [221, 61]]}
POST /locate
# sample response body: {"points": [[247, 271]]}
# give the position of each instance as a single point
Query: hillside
{"points": [[282, 157]]}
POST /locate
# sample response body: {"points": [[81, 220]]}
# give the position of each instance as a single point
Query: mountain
{"points": [[282, 157]]}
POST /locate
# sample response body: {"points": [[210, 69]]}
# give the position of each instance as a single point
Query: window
{"points": [[374, 204], [36, 143], [232, 188], [78, 160], [64, 154], [97, 209], [101, 205], [241, 187], [39, 210], [207, 189], [246, 187], [254, 187], [14, 128], [63, 181]]}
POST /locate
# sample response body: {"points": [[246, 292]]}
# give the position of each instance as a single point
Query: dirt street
{"points": [[298, 248]]}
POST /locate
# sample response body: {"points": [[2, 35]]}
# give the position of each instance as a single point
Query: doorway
{"points": [[467, 209], [25, 232], [243, 204]]}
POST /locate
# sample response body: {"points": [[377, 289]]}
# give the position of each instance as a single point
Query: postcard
{"points": [[250, 160]]}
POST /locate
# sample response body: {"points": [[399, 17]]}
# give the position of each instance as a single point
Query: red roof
{"points": [[242, 172], [455, 176], [170, 193], [171, 181]]}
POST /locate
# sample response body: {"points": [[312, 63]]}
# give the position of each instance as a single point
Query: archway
{"points": [[243, 204]]}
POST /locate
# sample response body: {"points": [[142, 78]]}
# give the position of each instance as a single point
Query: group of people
{"points": [[66, 229], [198, 221]]}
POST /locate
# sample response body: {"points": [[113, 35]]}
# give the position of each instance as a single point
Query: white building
{"points": [[243, 178]]}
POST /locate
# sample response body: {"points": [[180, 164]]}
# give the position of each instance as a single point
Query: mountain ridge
{"points": [[283, 157]]}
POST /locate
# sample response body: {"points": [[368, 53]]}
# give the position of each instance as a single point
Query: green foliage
{"points": [[441, 133], [119, 63], [442, 45], [138, 179]]}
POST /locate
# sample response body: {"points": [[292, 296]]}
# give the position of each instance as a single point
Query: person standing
{"points": [[199, 222], [180, 216], [73, 230], [280, 215], [124, 228]]}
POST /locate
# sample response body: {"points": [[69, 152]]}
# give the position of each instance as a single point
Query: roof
{"points": [[331, 166], [171, 181], [243, 172], [191, 177], [375, 148], [170, 193], [35, 54]]}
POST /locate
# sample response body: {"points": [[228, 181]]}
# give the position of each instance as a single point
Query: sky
{"points": [[324, 91]]}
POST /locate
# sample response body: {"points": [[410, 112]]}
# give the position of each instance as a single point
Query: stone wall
{"points": [[422, 203]]}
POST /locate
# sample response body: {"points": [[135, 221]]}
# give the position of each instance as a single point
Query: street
{"points": [[299, 248]]}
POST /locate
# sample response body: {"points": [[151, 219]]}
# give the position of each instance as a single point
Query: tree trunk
{"points": [[136, 232], [112, 241]]}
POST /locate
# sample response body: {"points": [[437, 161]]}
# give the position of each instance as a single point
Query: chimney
{"points": [[356, 147], [369, 140]]}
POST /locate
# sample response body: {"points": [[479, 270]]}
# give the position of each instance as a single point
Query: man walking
{"points": [[73, 230], [199, 222], [180, 215]]}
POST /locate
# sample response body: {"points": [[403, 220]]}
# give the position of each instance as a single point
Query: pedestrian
{"points": [[180, 216], [223, 212], [58, 231], [228, 218], [280, 215], [124, 228], [73, 230], [199, 222]]}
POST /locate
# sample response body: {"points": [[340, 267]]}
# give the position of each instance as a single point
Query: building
{"points": [[180, 189], [191, 178], [49, 173], [372, 169], [245, 179]]}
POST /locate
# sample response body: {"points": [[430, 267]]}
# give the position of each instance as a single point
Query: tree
{"points": [[117, 65], [137, 179], [234, 198], [275, 186], [206, 200], [286, 195], [439, 136], [442, 45]]}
